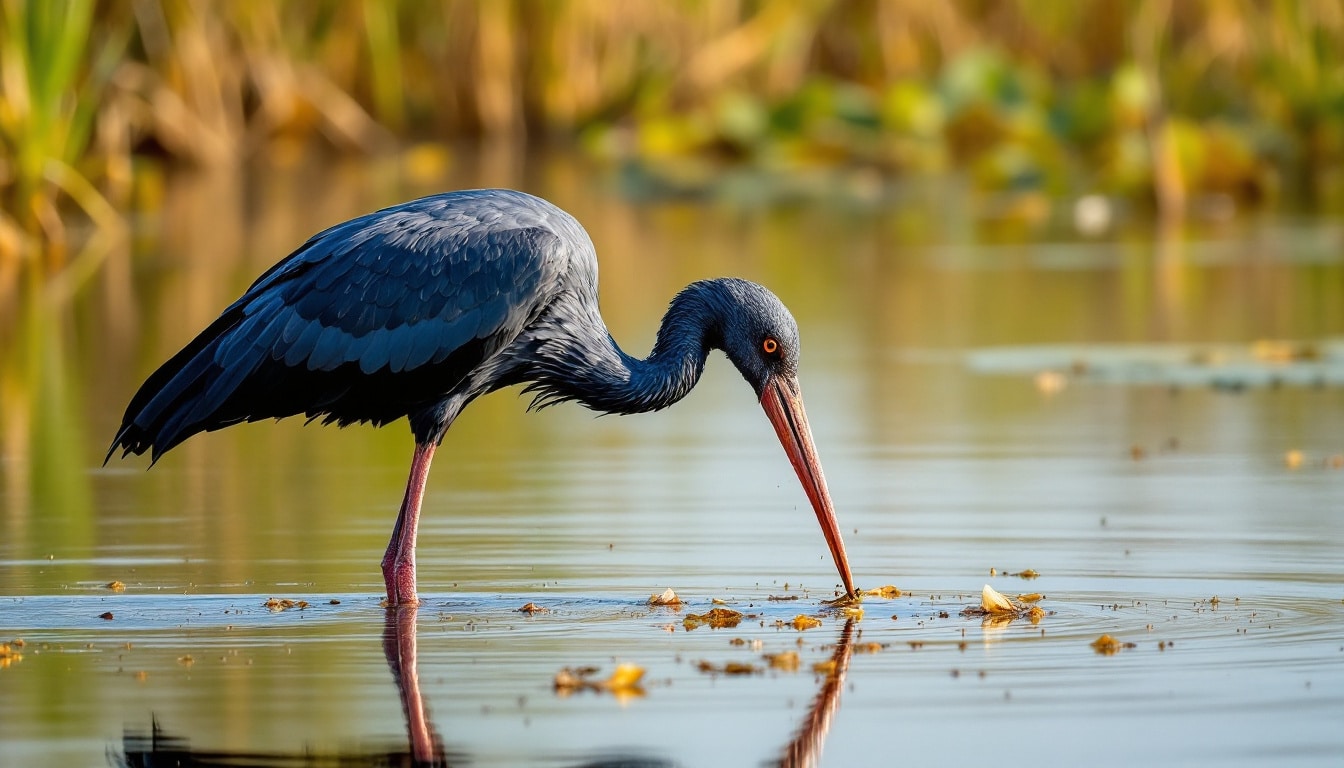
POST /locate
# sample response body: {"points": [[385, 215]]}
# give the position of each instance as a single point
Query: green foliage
{"points": [[1058, 98], [50, 76]]}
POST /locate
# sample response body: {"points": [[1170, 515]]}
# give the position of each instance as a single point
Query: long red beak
{"points": [[782, 400]]}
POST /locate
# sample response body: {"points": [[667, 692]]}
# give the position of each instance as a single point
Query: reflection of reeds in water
{"points": [[42, 428]]}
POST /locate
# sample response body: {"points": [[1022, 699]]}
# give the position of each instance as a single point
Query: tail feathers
{"points": [[176, 401]]}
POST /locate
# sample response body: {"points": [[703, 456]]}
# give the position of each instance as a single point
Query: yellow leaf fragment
{"points": [[626, 677], [802, 622], [533, 608], [889, 592], [8, 655], [1032, 597], [992, 601], [1036, 613], [1293, 459], [1107, 645], [787, 660], [1050, 382], [116, 586], [852, 613], [825, 667], [624, 681], [668, 597]]}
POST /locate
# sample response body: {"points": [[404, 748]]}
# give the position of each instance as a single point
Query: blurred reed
{"points": [[1150, 100]]}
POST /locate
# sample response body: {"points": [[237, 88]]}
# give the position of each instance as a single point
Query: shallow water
{"points": [[1137, 498]]}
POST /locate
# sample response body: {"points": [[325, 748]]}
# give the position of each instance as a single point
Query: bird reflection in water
{"points": [[805, 749], [399, 647], [425, 747]]}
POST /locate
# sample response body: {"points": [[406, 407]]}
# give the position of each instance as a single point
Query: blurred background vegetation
{"points": [[1179, 109]]}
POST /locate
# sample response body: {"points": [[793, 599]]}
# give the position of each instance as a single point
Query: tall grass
{"points": [[51, 74], [903, 86]]}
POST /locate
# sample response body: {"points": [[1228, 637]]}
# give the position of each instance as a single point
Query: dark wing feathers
{"points": [[370, 320]]}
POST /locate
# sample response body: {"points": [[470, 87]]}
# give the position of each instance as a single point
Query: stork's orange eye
{"points": [[770, 346]]}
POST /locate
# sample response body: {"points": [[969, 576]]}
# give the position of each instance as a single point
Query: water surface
{"points": [[1137, 499]]}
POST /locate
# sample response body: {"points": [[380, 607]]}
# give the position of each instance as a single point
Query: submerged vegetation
{"points": [[1204, 106]]}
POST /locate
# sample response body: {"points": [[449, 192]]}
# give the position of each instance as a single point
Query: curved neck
{"points": [[592, 369]]}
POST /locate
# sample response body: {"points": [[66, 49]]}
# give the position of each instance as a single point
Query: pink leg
{"points": [[399, 561]]}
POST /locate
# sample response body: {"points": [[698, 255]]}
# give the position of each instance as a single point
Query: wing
{"points": [[374, 319]]}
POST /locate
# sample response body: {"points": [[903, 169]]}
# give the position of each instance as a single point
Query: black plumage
{"points": [[417, 309]]}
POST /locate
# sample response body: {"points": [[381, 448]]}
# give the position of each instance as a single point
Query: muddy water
{"points": [[1164, 460]]}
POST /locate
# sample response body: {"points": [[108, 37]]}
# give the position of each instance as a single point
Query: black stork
{"points": [[420, 308]]}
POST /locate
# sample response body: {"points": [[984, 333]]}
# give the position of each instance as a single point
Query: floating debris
{"points": [[802, 622], [993, 601], [889, 592], [668, 597], [1293, 459], [276, 605], [106, 616], [781, 598], [728, 668], [186, 661], [624, 680], [1109, 646], [998, 608], [787, 661], [1031, 597], [1225, 367], [8, 655], [844, 600], [715, 618], [532, 608], [115, 586]]}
